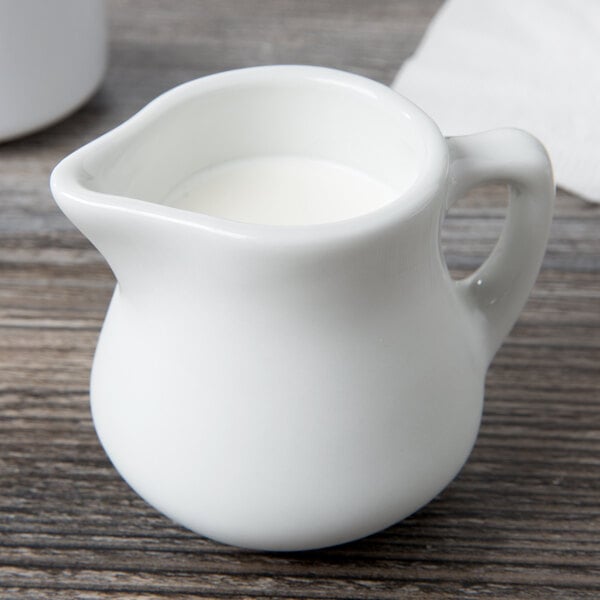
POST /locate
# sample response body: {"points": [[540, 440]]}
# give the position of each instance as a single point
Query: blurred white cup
{"points": [[52, 58]]}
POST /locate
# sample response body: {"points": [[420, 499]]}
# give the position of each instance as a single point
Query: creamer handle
{"points": [[498, 290]]}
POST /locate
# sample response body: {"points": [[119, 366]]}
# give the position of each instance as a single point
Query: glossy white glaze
{"points": [[293, 387]]}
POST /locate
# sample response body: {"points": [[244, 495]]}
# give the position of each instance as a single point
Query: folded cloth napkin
{"points": [[533, 64]]}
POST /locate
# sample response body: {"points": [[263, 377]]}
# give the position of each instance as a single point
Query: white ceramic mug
{"points": [[52, 58], [294, 387]]}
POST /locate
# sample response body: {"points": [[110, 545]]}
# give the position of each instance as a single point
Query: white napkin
{"points": [[533, 64]]}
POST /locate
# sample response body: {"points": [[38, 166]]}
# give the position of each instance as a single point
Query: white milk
{"points": [[281, 190]]}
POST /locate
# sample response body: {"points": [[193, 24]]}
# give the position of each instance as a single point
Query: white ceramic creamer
{"points": [[288, 386]]}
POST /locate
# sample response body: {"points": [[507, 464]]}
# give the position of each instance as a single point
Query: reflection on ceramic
{"points": [[52, 58], [293, 386]]}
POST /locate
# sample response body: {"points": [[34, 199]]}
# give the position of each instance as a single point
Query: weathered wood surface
{"points": [[521, 521]]}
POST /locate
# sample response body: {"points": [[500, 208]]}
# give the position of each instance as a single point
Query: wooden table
{"points": [[521, 521]]}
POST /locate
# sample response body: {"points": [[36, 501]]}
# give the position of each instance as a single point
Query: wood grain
{"points": [[521, 521]]}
